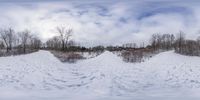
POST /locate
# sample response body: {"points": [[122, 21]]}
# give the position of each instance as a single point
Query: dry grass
{"points": [[70, 57]]}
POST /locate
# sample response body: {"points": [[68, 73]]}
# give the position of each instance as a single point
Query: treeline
{"points": [[179, 43], [187, 47], [64, 42], [130, 52], [13, 42]]}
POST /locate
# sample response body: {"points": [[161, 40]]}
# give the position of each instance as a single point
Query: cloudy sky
{"points": [[107, 22]]}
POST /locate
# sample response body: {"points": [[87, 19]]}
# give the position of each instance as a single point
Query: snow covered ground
{"points": [[41, 76]]}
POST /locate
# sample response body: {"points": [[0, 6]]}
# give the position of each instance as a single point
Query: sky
{"points": [[103, 22]]}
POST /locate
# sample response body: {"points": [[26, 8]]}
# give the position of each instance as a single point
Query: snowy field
{"points": [[41, 76]]}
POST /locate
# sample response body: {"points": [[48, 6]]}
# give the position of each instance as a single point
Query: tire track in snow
{"points": [[106, 74]]}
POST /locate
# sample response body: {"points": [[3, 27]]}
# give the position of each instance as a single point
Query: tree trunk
{"points": [[63, 45], [24, 48], [7, 49]]}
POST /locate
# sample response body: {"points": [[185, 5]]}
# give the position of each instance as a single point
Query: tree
{"points": [[156, 41], [180, 42], [8, 37], [172, 38], [1, 45], [190, 48], [24, 38], [166, 41], [65, 35], [198, 42], [153, 41], [54, 43], [35, 42]]}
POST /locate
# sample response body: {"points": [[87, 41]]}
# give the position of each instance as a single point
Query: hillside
{"points": [[41, 76]]}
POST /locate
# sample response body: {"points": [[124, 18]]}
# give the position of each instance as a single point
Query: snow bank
{"points": [[39, 76]]}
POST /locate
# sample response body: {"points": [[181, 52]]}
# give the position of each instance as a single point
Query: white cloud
{"points": [[103, 22]]}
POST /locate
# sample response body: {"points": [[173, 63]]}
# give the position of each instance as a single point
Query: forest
{"points": [[65, 48]]}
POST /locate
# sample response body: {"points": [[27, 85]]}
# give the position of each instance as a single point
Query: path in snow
{"points": [[41, 76]]}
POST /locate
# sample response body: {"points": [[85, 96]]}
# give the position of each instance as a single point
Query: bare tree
{"points": [[153, 41], [156, 41], [24, 38], [166, 41], [172, 38], [65, 35], [162, 41], [1, 45], [8, 37], [190, 48], [35, 42], [4, 38], [54, 43], [198, 42], [11, 37], [180, 42]]}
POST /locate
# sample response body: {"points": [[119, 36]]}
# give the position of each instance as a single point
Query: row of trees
{"points": [[159, 42], [20, 41], [164, 41], [10, 40], [24, 40], [187, 47], [62, 41], [179, 43]]}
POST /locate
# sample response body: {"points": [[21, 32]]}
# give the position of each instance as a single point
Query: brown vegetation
{"points": [[70, 57]]}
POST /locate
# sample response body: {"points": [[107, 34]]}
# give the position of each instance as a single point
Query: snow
{"points": [[41, 76]]}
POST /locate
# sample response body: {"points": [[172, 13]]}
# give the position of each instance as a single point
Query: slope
{"points": [[40, 76]]}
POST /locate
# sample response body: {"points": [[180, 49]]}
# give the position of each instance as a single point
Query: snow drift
{"points": [[40, 76]]}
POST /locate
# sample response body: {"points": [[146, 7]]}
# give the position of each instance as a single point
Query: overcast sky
{"points": [[103, 21]]}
